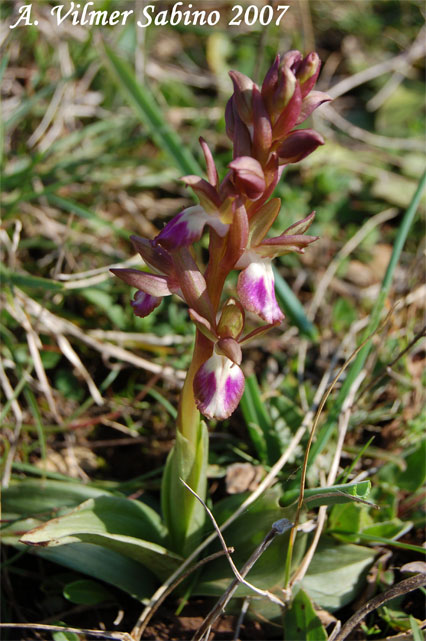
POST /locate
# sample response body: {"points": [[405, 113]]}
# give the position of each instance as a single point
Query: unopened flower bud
{"points": [[248, 176], [231, 322], [292, 60], [229, 118], [298, 145], [262, 128], [308, 71], [243, 92]]}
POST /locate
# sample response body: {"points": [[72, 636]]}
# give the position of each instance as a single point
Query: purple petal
{"points": [[143, 304], [218, 387], [149, 283], [256, 289], [186, 228]]}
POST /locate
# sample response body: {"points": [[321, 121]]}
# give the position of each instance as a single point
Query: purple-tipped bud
{"points": [[308, 71], [248, 176], [314, 100], [230, 348], [231, 322], [286, 87], [243, 93], [298, 145], [292, 60], [289, 115], [206, 193], [270, 82]]}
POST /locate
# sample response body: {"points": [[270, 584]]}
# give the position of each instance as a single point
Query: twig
{"points": [[367, 136], [396, 63], [243, 612], [100, 634], [240, 578], [279, 527], [403, 587]]}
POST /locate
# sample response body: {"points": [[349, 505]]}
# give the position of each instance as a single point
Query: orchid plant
{"points": [[238, 212]]}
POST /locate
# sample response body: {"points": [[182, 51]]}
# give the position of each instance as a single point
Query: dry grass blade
{"points": [[97, 634], [56, 325], [67, 350]]}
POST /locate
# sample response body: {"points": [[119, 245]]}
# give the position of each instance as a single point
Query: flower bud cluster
{"points": [[238, 211]]}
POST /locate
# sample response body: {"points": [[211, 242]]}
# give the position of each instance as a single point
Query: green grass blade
{"points": [[259, 424], [28, 281], [146, 108], [83, 212], [356, 367], [293, 308]]}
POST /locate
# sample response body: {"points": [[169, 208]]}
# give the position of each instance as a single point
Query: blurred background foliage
{"points": [[98, 124]]}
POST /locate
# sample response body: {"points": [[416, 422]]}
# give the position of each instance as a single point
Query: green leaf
{"points": [[147, 109], [27, 281], [41, 496], [293, 307], [301, 622], [415, 629], [127, 527], [183, 513], [86, 592], [336, 573], [335, 494], [102, 564], [64, 636], [259, 423]]}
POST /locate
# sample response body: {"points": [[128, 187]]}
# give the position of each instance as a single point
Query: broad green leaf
{"points": [[102, 564], [183, 513], [336, 573], [41, 496], [127, 527], [147, 109], [332, 495], [86, 592], [301, 623]]}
